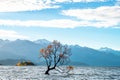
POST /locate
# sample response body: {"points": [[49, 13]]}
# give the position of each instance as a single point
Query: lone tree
{"points": [[55, 54]]}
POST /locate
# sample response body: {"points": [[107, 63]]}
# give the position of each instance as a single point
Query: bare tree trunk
{"points": [[47, 72]]}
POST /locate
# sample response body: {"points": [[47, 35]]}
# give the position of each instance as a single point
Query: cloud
{"points": [[28, 5], [89, 0], [105, 16], [10, 34], [62, 1], [60, 23], [24, 5]]}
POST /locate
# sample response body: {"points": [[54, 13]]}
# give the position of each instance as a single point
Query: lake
{"points": [[79, 73]]}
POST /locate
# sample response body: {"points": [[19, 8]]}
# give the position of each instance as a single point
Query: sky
{"points": [[91, 23]]}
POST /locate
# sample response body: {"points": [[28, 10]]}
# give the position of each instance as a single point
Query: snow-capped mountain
{"points": [[43, 42], [109, 50], [29, 50], [105, 49]]}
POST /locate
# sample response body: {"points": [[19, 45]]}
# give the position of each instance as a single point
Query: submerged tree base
{"points": [[60, 70], [47, 72]]}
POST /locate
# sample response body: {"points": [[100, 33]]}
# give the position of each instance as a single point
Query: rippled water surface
{"points": [[79, 73]]}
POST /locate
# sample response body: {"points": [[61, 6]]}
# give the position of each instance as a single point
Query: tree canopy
{"points": [[55, 54]]}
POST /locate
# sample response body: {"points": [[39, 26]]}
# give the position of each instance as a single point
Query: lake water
{"points": [[79, 73]]}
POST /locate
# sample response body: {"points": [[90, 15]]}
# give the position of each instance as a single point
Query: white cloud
{"points": [[60, 23], [27, 5], [24, 5], [10, 34], [88, 0], [61, 1], [101, 16]]}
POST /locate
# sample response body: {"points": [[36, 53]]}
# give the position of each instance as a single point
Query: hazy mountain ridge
{"points": [[95, 57], [3, 42], [29, 50], [109, 50]]}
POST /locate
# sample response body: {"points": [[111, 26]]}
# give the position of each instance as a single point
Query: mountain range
{"points": [[29, 50]]}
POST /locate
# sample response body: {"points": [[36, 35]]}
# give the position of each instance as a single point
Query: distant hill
{"points": [[9, 61], [109, 50], [94, 57], [25, 63], [29, 50]]}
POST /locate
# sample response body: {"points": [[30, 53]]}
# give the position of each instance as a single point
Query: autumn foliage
{"points": [[70, 68], [55, 54]]}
